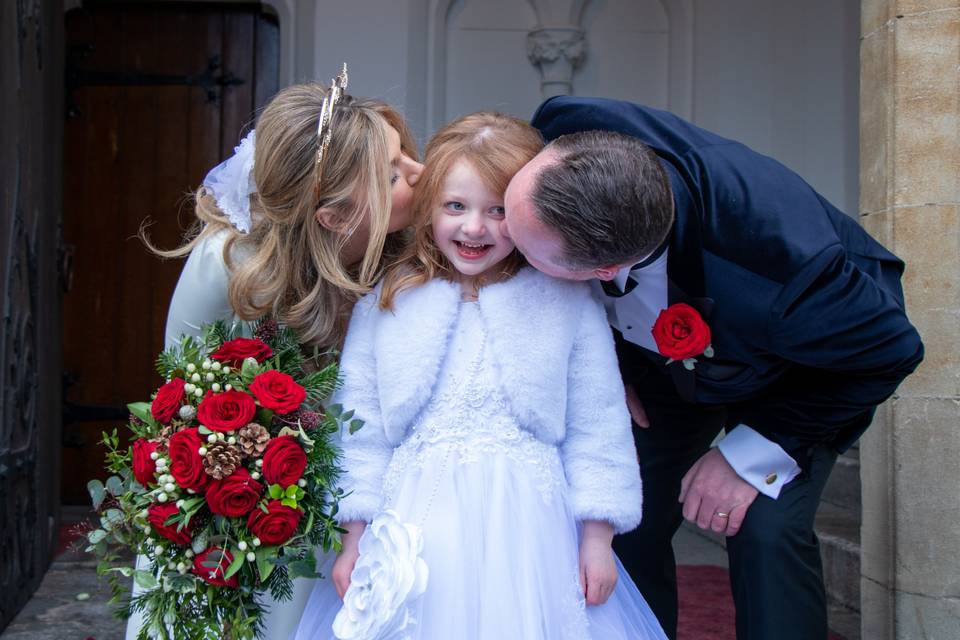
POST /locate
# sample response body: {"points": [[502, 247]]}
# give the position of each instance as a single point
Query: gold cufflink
{"points": [[771, 478]]}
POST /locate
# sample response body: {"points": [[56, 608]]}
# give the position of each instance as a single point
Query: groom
{"points": [[793, 332]]}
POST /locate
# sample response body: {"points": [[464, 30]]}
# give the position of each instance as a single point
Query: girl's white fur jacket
{"points": [[554, 354]]}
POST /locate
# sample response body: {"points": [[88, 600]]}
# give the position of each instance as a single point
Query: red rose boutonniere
{"points": [[681, 334]]}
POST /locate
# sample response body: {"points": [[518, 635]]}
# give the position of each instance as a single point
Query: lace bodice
{"points": [[469, 415]]}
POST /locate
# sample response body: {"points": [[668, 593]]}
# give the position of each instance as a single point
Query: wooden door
{"points": [[31, 103], [158, 93]]}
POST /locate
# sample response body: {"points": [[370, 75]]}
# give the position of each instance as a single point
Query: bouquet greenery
{"points": [[229, 485]]}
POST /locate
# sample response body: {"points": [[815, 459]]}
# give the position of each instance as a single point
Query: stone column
{"points": [[556, 52], [910, 201]]}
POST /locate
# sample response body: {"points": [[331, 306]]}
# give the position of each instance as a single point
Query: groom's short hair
{"points": [[606, 195]]}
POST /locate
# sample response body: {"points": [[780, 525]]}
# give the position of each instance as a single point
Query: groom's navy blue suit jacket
{"points": [[805, 308]]}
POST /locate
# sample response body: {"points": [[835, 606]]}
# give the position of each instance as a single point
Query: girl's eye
{"points": [[394, 179], [499, 212], [454, 205]]}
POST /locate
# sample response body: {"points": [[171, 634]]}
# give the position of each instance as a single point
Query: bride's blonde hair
{"points": [[496, 146], [289, 265]]}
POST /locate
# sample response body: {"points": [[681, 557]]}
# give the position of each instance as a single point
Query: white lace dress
{"points": [[499, 539]]}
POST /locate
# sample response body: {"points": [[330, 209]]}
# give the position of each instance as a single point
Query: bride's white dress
{"points": [[499, 538]]}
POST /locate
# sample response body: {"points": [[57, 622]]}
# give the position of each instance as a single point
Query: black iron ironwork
{"points": [[209, 79]]}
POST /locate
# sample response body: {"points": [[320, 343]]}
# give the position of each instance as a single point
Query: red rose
{"points": [[234, 352], [157, 515], [144, 467], [168, 400], [283, 461], [234, 496], [278, 391], [212, 564], [186, 465], [227, 411], [277, 525], [680, 332]]}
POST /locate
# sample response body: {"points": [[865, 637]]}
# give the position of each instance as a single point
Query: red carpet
{"points": [[706, 605]]}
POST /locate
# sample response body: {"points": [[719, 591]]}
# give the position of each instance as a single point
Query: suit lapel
{"points": [[685, 280]]}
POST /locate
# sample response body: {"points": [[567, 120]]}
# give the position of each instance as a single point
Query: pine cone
{"points": [[221, 460], [310, 420], [253, 439], [267, 330]]}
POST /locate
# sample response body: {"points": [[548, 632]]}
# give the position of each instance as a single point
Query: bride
{"points": [[297, 224]]}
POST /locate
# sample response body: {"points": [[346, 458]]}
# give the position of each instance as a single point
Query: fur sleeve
{"points": [[367, 452], [599, 455]]}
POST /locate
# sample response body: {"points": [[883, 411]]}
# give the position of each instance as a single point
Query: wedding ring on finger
{"points": [[721, 514]]}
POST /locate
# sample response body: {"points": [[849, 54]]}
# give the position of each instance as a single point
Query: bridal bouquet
{"points": [[229, 485]]}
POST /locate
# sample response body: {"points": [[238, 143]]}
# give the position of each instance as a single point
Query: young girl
{"points": [[496, 461]]}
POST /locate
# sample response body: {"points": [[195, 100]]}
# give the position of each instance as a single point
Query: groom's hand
{"points": [[712, 487]]}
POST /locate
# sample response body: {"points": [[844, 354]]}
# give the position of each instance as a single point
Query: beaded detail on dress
{"points": [[468, 416]]}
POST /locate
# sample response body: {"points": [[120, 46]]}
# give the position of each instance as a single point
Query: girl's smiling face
{"points": [[466, 224]]}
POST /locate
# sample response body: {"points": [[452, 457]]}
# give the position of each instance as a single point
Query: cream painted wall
{"points": [[778, 75]]}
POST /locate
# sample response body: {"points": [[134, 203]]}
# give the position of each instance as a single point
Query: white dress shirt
{"points": [[760, 462]]}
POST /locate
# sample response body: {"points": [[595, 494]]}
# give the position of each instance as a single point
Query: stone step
{"points": [[838, 529], [843, 487], [839, 533]]}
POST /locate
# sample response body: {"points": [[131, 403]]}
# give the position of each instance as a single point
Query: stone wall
{"points": [[910, 201]]}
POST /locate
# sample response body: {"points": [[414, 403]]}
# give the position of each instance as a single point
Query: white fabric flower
{"points": [[388, 578]]}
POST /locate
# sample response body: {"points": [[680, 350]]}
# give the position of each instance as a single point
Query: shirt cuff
{"points": [[760, 462]]}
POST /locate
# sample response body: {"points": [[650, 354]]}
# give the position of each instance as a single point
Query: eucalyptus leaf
{"points": [[115, 485], [96, 536], [708, 352], [145, 580], [235, 565], [97, 493], [202, 430], [114, 516], [126, 572], [689, 364], [303, 569], [346, 416], [142, 411], [264, 566], [355, 425], [335, 410]]}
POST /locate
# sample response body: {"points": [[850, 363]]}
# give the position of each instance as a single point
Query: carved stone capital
{"points": [[556, 52], [551, 44]]}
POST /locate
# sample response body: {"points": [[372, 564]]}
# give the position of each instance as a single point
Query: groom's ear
{"points": [[607, 273]]}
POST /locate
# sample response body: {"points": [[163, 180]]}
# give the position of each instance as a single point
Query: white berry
{"points": [[195, 377], [206, 365], [229, 387], [181, 567], [255, 475], [211, 377], [202, 451], [251, 556], [301, 483], [169, 487], [216, 366], [198, 392], [216, 387], [191, 368], [242, 545], [212, 438], [189, 388], [231, 440], [256, 542], [162, 497], [259, 463]]}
